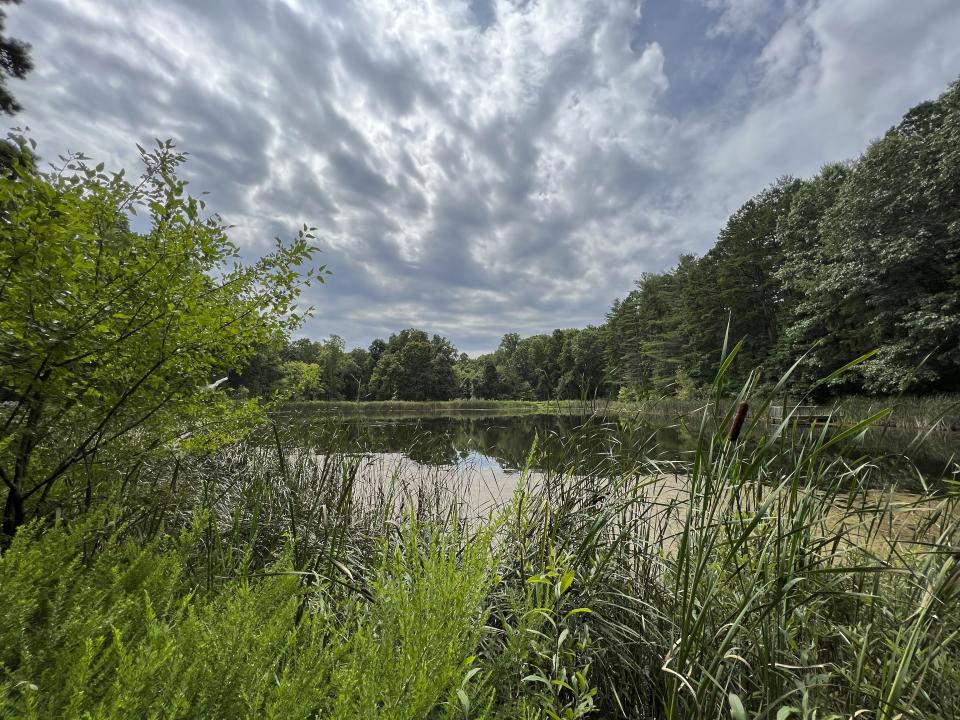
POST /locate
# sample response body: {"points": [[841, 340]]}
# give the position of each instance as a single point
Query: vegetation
{"points": [[14, 62], [109, 338], [767, 584], [413, 366], [388, 408], [861, 257]]}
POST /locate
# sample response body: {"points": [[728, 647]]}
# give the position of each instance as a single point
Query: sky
{"points": [[477, 167]]}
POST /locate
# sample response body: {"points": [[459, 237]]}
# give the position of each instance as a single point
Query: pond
{"points": [[497, 446]]}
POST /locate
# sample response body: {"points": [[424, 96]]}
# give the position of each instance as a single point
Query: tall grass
{"points": [[765, 577], [936, 413]]}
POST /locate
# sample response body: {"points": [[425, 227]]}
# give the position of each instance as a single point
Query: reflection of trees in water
{"points": [[570, 441], [563, 441], [901, 454]]}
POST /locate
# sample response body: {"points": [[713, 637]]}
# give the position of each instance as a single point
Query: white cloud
{"points": [[477, 171], [853, 69], [740, 16]]}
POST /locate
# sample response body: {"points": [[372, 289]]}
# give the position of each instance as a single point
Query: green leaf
{"points": [[737, 711]]}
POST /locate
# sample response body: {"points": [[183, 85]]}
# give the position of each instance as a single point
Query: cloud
{"points": [[481, 166], [743, 16]]}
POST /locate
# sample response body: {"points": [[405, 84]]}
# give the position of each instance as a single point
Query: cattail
{"points": [[737, 425]]}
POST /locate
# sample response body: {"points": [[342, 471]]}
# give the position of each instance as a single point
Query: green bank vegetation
{"points": [[936, 413], [401, 408]]}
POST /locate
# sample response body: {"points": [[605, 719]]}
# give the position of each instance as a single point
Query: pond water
{"points": [[495, 447]]}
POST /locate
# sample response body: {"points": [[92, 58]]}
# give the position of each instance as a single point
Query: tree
{"points": [[489, 386], [646, 336], [301, 381], [302, 350], [442, 381], [810, 317], [412, 366], [744, 263], [356, 373], [581, 364], [892, 237], [110, 340], [331, 358], [261, 373], [14, 62]]}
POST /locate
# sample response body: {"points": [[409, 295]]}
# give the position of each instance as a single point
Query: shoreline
{"points": [[846, 411]]}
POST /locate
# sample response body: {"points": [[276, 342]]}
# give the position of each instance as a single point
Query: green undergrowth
{"points": [[129, 630], [766, 577]]}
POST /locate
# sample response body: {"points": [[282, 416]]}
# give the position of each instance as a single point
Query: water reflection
{"points": [[503, 443]]}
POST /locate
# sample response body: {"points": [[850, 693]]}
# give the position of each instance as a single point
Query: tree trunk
{"points": [[13, 512], [13, 516]]}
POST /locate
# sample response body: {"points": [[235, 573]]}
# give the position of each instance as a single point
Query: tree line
{"points": [[413, 365], [863, 257]]}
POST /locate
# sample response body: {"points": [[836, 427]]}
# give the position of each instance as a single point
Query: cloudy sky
{"points": [[480, 166]]}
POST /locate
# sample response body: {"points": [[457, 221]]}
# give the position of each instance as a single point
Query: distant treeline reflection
{"points": [[578, 442]]}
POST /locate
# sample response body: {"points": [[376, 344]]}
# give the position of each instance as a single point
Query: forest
{"points": [[863, 257]]}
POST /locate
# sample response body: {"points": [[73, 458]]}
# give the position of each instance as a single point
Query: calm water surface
{"points": [[496, 446]]}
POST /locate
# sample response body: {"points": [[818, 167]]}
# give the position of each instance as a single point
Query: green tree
{"points": [[14, 62], [489, 387], [892, 238], [737, 282], [110, 339], [302, 350], [646, 335], [260, 374], [537, 365], [810, 318], [466, 376], [356, 374], [412, 366], [331, 359], [581, 364], [301, 381]]}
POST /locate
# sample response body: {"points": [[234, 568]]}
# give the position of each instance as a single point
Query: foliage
{"points": [[414, 367], [899, 208], [128, 633], [566, 365], [14, 62], [863, 256], [278, 583], [109, 336], [302, 380]]}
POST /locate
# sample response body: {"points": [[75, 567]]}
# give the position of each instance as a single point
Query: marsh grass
{"points": [[763, 578], [933, 413]]}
